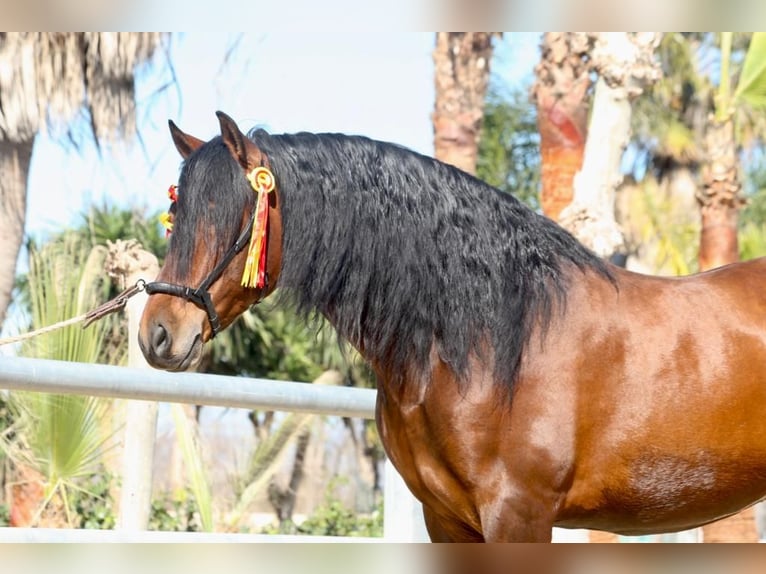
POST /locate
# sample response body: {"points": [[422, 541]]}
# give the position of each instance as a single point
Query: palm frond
{"points": [[61, 436], [55, 75], [191, 451], [751, 87]]}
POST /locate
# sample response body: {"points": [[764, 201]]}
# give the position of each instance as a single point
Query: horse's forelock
{"points": [[213, 196]]}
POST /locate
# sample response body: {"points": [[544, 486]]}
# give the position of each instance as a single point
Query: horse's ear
{"points": [[185, 144], [241, 147]]}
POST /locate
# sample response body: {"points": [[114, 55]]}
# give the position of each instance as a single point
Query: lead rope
{"points": [[111, 306]]}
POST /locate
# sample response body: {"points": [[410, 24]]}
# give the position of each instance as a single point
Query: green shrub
{"points": [[175, 513], [93, 503], [333, 518]]}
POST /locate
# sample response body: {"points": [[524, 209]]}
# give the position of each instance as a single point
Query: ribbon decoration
{"points": [[167, 218], [254, 274]]}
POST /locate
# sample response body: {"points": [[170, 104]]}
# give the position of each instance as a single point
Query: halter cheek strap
{"points": [[201, 296]]}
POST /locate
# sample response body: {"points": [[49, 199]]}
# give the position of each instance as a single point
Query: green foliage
{"points": [[664, 230], [747, 63], [61, 437], [754, 187], [752, 241], [668, 119], [62, 432], [5, 515], [271, 342], [509, 148], [66, 279], [74, 260], [671, 118], [6, 418], [752, 220], [175, 513], [110, 223], [751, 87], [191, 450], [93, 503], [333, 518]]}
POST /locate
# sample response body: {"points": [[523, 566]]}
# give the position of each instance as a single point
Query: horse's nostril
{"points": [[160, 339]]}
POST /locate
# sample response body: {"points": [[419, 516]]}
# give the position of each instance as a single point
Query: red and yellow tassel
{"points": [[254, 275]]}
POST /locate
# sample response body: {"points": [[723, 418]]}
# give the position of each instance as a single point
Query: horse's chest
{"points": [[410, 441], [433, 450]]}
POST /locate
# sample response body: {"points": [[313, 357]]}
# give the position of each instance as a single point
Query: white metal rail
{"points": [[60, 377]]}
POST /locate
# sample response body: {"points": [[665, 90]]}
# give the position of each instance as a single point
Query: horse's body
{"points": [[643, 411], [523, 383]]}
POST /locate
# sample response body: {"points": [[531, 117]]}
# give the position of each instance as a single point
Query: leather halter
{"points": [[201, 296]]}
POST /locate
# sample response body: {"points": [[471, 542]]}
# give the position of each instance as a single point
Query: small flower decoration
{"points": [[167, 218]]}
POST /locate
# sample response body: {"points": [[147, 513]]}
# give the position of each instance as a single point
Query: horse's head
{"points": [[200, 288]]}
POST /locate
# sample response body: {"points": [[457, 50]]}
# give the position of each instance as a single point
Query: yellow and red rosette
{"points": [[254, 275]]}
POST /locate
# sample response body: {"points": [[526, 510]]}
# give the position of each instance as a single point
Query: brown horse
{"points": [[523, 383]]}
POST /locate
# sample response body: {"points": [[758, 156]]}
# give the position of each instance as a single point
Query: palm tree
{"points": [[658, 213], [562, 95], [625, 64], [720, 198], [461, 70], [55, 441], [49, 78]]}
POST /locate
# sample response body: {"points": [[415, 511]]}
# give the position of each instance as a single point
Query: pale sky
{"points": [[280, 82]]}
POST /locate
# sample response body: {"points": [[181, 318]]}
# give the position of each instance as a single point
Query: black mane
{"points": [[402, 252]]}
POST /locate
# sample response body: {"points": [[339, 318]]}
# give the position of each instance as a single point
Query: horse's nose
{"points": [[160, 340], [168, 345]]}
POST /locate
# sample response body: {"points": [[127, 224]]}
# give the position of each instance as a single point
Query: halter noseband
{"points": [[201, 296]]}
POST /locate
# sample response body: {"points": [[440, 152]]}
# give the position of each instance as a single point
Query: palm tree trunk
{"points": [[283, 500], [14, 167], [625, 64], [560, 93], [590, 215], [368, 457], [720, 199], [461, 69]]}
